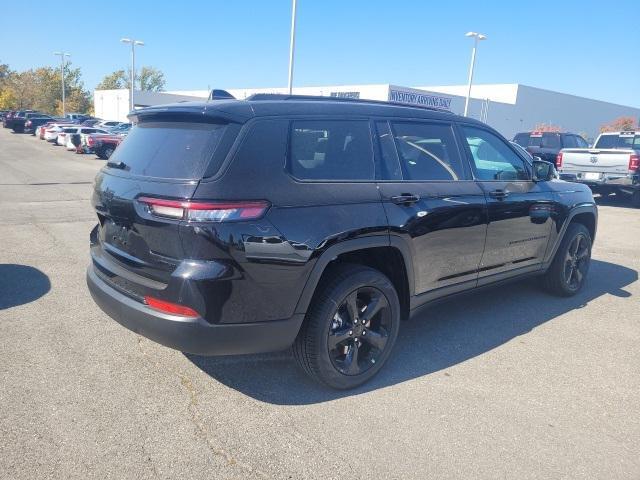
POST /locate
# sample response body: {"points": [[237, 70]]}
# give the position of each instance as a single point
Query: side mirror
{"points": [[543, 171]]}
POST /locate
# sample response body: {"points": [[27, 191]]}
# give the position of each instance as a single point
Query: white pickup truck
{"points": [[612, 165]]}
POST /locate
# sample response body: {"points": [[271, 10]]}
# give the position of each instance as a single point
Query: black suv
{"points": [[250, 226], [547, 145]]}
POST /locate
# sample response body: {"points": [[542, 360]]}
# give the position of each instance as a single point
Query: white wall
{"points": [[512, 107], [114, 104], [521, 108]]}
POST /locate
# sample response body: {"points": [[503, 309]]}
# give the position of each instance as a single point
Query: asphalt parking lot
{"points": [[508, 383]]}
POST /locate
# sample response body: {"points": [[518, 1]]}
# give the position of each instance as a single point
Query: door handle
{"points": [[405, 199], [499, 194]]}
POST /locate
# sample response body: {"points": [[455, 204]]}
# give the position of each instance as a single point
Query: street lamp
{"points": [[292, 45], [133, 65], [62, 55], [476, 37]]}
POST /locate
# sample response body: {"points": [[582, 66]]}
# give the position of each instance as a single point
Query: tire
{"points": [[635, 199], [332, 346], [568, 271]]}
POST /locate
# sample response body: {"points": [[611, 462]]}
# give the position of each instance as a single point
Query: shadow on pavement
{"points": [[20, 284], [441, 336], [620, 201]]}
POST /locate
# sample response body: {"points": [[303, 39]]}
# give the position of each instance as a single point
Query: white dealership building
{"points": [[509, 107]]}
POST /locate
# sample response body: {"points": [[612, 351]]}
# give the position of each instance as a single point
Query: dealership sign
{"points": [[433, 101], [345, 94]]}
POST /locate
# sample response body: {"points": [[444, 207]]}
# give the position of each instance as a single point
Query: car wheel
{"points": [[350, 328], [568, 271], [635, 199]]}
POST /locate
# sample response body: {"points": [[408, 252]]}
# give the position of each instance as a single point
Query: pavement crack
{"points": [[195, 418]]}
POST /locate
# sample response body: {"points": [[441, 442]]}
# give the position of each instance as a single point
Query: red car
{"points": [[104, 145]]}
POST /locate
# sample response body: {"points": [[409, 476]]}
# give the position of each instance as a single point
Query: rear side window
{"points": [[331, 150], [570, 142], [427, 151], [522, 139], [581, 142], [180, 150]]}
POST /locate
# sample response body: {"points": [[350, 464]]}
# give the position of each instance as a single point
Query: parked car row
{"points": [[76, 132], [611, 165]]}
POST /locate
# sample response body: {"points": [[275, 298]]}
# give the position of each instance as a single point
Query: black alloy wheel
{"points": [[568, 271], [350, 327], [359, 331], [576, 261]]}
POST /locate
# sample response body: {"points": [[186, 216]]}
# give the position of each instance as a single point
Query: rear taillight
{"points": [[205, 211], [169, 307], [559, 160], [90, 141], [634, 162]]}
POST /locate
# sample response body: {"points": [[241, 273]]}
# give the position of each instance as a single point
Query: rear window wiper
{"points": [[120, 165]]}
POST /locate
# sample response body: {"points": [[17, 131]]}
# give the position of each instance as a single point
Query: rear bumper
{"points": [[614, 181], [191, 335]]}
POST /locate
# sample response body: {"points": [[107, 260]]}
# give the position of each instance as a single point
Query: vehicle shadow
{"points": [[20, 284], [441, 336], [620, 201]]}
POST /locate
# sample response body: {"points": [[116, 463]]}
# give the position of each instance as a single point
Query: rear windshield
{"points": [[547, 140], [178, 150], [617, 141]]}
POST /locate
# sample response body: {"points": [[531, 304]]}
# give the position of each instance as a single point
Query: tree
{"points": [[41, 89], [619, 124], [8, 99], [547, 127], [151, 79], [114, 81], [147, 78]]}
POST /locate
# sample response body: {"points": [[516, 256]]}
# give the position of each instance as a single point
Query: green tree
{"points": [[151, 79], [113, 81], [41, 89], [147, 78]]}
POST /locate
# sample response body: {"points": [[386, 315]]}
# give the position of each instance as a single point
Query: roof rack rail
{"points": [[285, 96]]}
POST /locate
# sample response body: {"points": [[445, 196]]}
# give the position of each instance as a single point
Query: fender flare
{"points": [[352, 245], [581, 208]]}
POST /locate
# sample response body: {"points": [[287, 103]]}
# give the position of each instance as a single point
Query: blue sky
{"points": [[581, 47]]}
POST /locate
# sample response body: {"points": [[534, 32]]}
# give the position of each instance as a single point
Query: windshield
{"points": [[619, 142], [177, 150]]}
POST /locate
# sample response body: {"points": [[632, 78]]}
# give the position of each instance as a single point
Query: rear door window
{"points": [[177, 150], [331, 150], [427, 151], [581, 142], [570, 142]]}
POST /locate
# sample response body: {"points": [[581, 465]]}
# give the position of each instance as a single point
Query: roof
{"points": [[273, 105]]}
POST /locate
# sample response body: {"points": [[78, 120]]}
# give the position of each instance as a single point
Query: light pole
{"points": [[292, 45], [476, 37], [62, 55], [133, 66]]}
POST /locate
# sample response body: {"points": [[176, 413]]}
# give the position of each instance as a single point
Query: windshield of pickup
{"points": [[619, 141]]}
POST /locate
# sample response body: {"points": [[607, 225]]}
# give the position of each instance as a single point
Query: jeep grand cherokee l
{"points": [[250, 226]]}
